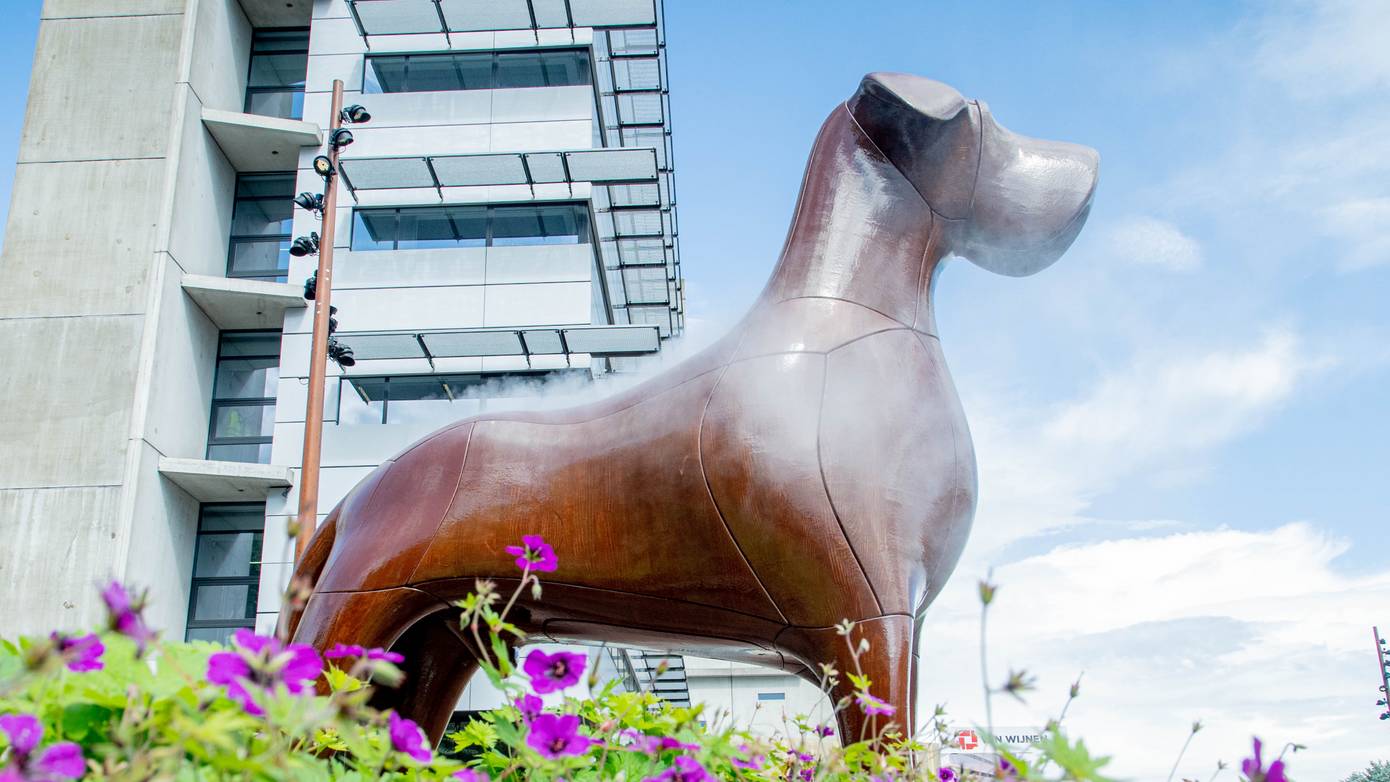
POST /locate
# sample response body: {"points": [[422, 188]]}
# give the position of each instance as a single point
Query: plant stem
{"points": [[984, 670], [1181, 752]]}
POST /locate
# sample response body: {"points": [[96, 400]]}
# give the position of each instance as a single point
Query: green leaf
{"points": [[79, 719]]}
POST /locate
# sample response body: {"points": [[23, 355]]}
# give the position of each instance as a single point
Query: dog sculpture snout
{"points": [[1019, 201]]}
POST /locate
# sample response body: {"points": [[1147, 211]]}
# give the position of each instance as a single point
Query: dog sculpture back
{"points": [[813, 465]]}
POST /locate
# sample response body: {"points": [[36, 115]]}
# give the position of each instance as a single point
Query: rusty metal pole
{"points": [[1383, 660], [318, 358]]}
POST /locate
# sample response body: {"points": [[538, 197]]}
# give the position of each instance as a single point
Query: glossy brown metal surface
{"points": [[813, 465]]}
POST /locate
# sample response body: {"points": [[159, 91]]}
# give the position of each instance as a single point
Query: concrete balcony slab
{"points": [[210, 481], [255, 143], [243, 304]]}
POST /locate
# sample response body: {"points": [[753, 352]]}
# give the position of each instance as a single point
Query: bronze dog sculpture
{"points": [[813, 465]]}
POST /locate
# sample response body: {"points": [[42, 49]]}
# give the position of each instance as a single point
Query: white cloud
{"points": [[1252, 632], [1161, 413], [1148, 241], [1164, 405], [1328, 48], [1364, 224]]}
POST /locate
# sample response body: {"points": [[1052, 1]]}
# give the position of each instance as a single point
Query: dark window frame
{"points": [[234, 240], [442, 379], [586, 67], [251, 65], [584, 233], [252, 580], [218, 404]]}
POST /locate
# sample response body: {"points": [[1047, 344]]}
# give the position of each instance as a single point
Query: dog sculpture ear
{"points": [[1031, 199], [927, 131]]}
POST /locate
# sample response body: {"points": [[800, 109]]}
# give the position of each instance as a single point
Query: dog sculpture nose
{"points": [[1032, 197]]}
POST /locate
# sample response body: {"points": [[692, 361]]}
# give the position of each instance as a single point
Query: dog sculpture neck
{"points": [[861, 233]]}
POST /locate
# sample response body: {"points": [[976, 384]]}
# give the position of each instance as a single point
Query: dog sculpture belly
{"points": [[812, 466]]}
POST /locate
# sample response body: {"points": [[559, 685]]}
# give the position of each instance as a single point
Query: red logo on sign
{"points": [[967, 739]]}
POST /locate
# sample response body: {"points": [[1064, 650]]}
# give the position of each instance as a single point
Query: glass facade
{"points": [[425, 227], [226, 570], [279, 62], [243, 396], [438, 398], [262, 215], [476, 70]]}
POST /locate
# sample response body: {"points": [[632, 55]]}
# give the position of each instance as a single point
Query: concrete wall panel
{"points": [[221, 55], [68, 386], [458, 307], [63, 9], [541, 136], [549, 303], [80, 238], [102, 88], [203, 192], [57, 541], [567, 263], [163, 528], [176, 422]]}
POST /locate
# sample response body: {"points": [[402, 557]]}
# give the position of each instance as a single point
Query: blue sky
{"points": [[1182, 426]]}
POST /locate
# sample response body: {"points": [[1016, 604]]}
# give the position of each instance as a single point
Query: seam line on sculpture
{"points": [[863, 337], [979, 154], [890, 615], [463, 467], [427, 585], [613, 412], [848, 301], [955, 496], [922, 265], [880, 151], [704, 476], [825, 487]]}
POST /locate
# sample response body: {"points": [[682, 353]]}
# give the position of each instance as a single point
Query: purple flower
{"points": [[1007, 772], [557, 735], [59, 761], [684, 769], [79, 653], [535, 554], [374, 654], [1254, 770], [123, 613], [530, 707], [874, 706], [407, 738], [654, 745], [825, 730], [753, 762], [469, 775], [553, 672], [263, 663], [946, 774]]}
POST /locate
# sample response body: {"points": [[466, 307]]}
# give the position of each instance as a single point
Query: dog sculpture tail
{"points": [[310, 567]]}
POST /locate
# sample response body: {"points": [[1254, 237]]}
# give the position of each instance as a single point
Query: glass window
{"points": [[438, 398], [275, 83], [477, 70], [772, 696], [226, 570], [414, 228], [243, 396], [262, 214]]}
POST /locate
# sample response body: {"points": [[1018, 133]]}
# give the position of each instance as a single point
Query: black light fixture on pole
{"points": [[1383, 659], [319, 289]]}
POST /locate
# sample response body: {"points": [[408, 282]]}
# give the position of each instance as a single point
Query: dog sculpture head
{"points": [[1019, 201]]}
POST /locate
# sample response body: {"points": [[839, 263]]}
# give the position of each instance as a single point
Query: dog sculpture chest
{"points": [[814, 465]]}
